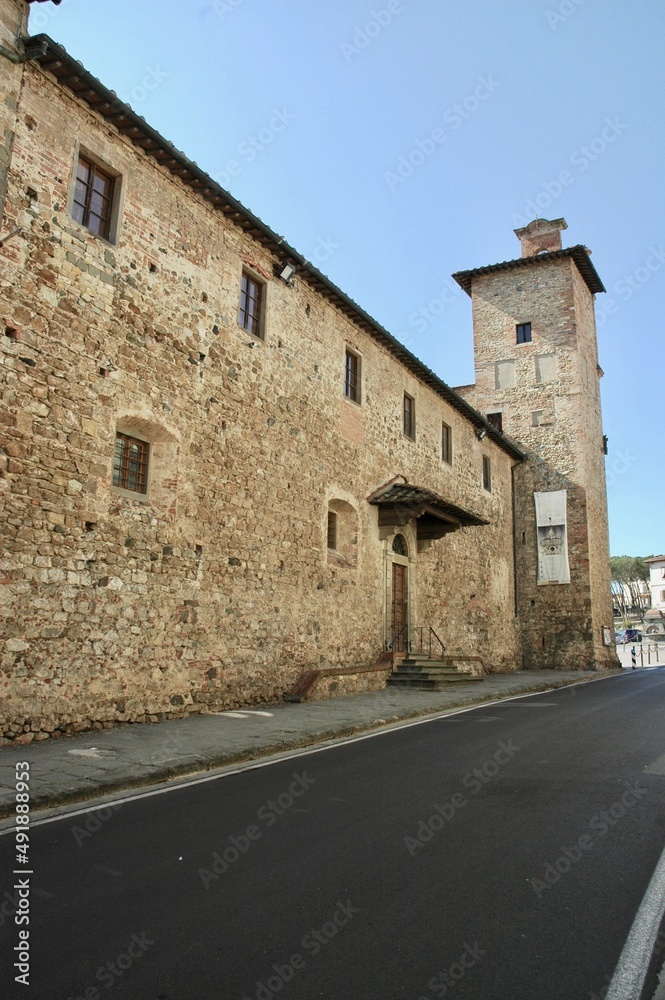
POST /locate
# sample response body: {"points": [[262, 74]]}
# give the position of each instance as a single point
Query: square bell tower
{"points": [[537, 380]]}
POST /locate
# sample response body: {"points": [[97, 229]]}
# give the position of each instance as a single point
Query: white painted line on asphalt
{"points": [[657, 766], [631, 971], [540, 704], [242, 715], [225, 771]]}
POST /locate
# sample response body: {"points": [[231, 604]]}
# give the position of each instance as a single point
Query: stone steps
{"points": [[423, 673]]}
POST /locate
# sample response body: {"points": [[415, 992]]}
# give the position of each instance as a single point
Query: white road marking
{"points": [[633, 964], [540, 704], [242, 715], [657, 766]]}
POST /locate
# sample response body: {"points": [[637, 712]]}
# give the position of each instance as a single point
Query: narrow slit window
{"points": [[487, 474], [409, 416], [352, 377], [446, 444], [130, 464], [332, 530], [251, 305]]}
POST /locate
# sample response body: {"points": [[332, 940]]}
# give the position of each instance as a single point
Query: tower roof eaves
{"points": [[578, 253]]}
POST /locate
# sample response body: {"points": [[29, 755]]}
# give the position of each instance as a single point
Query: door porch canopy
{"points": [[400, 503]]}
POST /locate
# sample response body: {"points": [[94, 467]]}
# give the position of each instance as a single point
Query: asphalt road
{"points": [[499, 853]]}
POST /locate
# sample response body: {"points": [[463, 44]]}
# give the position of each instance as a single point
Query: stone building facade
{"points": [[217, 471], [654, 620], [537, 377]]}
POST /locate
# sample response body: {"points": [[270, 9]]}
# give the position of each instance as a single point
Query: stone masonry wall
{"points": [[216, 589], [552, 409], [594, 457], [13, 19]]}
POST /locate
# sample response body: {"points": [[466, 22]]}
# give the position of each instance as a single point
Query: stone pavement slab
{"points": [[87, 765]]}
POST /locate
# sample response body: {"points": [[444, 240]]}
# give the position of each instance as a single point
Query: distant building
{"points": [[218, 473], [654, 620]]}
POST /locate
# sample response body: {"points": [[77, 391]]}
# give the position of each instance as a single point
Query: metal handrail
{"points": [[416, 639]]}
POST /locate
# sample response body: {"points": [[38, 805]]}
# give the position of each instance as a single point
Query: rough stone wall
{"points": [[13, 20], [600, 575], [217, 588], [550, 405]]}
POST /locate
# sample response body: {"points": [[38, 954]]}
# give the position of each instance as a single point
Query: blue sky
{"points": [[309, 112]]}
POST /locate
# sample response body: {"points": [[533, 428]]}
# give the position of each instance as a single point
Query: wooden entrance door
{"points": [[399, 616]]}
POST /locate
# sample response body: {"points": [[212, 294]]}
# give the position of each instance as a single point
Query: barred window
{"points": [[93, 198], [250, 315], [130, 463]]}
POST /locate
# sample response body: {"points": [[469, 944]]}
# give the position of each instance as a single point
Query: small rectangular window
{"points": [[130, 464], [93, 198], [250, 314], [487, 474], [409, 416], [536, 418], [496, 420], [446, 444], [332, 530], [352, 377], [523, 333]]}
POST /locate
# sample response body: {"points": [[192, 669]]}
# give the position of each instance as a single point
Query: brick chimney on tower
{"points": [[539, 235]]}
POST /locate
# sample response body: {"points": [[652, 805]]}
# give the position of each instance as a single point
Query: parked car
{"points": [[627, 635]]}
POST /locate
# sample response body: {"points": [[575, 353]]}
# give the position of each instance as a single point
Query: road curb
{"points": [[188, 769]]}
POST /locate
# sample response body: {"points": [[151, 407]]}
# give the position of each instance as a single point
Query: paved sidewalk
{"points": [[81, 767]]}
